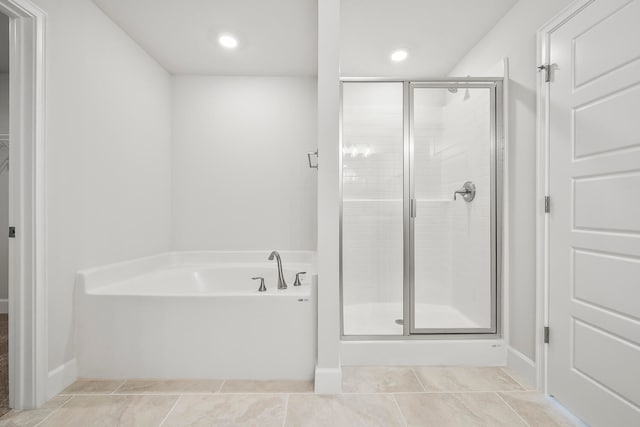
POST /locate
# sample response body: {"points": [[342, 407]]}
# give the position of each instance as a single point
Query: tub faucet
{"points": [[281, 282]]}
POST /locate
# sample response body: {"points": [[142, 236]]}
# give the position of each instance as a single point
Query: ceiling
{"points": [[435, 33], [279, 37]]}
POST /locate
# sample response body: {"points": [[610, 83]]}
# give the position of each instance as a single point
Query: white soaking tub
{"points": [[197, 315]]}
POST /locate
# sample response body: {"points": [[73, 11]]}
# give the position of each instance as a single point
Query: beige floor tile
{"points": [[435, 378], [56, 402], [247, 386], [33, 417], [228, 410], [537, 410], [24, 418], [451, 397], [523, 383], [90, 386], [456, 410], [378, 380], [310, 410], [169, 386], [111, 411]]}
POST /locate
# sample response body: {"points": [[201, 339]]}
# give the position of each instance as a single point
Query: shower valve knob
{"points": [[468, 192]]}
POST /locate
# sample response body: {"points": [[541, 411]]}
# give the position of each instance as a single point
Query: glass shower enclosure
{"points": [[420, 218]]}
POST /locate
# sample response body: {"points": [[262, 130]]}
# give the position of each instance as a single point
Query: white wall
{"points": [[240, 174], [328, 379], [4, 103], [515, 37], [108, 155]]}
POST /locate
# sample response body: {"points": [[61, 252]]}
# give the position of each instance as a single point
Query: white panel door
{"points": [[594, 223]]}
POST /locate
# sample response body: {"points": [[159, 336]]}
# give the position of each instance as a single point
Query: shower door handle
{"points": [[413, 208]]}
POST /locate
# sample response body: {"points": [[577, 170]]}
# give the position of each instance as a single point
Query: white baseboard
{"points": [[61, 377], [522, 366], [486, 352], [4, 306], [328, 381]]}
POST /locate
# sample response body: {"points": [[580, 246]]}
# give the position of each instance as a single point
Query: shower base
{"points": [[380, 318]]}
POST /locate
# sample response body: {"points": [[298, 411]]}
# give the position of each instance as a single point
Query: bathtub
{"points": [[197, 315]]}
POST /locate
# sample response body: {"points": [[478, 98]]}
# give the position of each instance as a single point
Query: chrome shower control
{"points": [[297, 282], [262, 287], [468, 192]]}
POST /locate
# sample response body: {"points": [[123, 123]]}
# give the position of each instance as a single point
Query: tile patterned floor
{"points": [[372, 396]]}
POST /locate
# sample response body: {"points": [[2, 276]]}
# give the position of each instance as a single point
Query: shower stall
{"points": [[421, 207]]}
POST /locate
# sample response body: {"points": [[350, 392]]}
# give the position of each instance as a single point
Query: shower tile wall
{"points": [[452, 145], [433, 245], [373, 249], [372, 193], [468, 126]]}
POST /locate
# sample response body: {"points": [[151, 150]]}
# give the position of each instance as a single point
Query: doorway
{"points": [[590, 93], [420, 223], [27, 331], [4, 212]]}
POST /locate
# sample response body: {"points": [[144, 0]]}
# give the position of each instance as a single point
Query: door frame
{"points": [[498, 208], [27, 205], [543, 94]]}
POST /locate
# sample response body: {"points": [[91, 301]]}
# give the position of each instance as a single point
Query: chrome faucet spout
{"points": [[282, 284]]}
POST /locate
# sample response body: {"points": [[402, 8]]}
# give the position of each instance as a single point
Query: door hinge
{"points": [[547, 204], [413, 208], [546, 335], [547, 72], [12, 232]]}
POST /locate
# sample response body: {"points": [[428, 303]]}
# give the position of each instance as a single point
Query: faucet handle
{"points": [[297, 282], [262, 287]]}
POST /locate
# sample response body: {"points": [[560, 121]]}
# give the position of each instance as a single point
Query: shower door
{"points": [[453, 220], [420, 197]]}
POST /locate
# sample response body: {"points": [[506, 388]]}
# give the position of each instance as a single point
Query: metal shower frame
{"points": [[495, 85]]}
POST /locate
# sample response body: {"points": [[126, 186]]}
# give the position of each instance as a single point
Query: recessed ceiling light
{"points": [[399, 55], [228, 41]]}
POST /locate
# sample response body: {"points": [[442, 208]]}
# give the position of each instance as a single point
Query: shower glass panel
{"points": [[420, 224], [452, 137], [372, 208]]}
